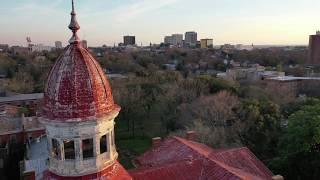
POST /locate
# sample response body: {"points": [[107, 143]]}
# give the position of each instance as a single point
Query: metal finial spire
{"points": [[74, 27], [72, 6]]}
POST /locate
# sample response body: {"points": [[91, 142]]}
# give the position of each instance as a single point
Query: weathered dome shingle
{"points": [[77, 88]]}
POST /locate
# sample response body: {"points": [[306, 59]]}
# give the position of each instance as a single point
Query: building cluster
{"points": [[248, 72], [271, 80], [40, 48], [31, 48], [190, 40], [34, 48]]}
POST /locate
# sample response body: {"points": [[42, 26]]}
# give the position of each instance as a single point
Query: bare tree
{"points": [[216, 110], [213, 117]]}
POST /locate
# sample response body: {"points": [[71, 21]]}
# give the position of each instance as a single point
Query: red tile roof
{"points": [[178, 158], [244, 159]]}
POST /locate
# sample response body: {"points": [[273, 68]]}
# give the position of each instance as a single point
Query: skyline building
{"points": [[177, 39], [168, 40], [174, 39], [206, 43], [191, 38], [129, 40], [314, 49]]}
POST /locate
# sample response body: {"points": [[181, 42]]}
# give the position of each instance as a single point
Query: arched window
{"points": [[103, 144], [69, 152], [56, 153], [87, 148]]}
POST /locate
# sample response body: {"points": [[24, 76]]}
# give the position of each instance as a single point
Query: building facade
{"points": [[191, 39], [168, 40], [177, 39], [174, 39], [314, 49], [129, 40], [206, 43], [40, 48]]}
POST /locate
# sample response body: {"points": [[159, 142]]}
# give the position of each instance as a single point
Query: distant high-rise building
{"points": [[206, 43], [177, 39], [58, 44], [129, 40], [168, 40], [191, 38], [314, 49], [84, 43], [174, 39]]}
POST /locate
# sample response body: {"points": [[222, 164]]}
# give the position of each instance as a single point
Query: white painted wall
{"points": [[78, 131]]}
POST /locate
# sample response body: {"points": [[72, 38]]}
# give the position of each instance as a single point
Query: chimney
{"points": [[191, 135], [156, 141], [277, 177]]}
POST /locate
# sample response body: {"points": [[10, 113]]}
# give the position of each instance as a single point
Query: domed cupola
{"points": [[77, 88], [79, 114]]}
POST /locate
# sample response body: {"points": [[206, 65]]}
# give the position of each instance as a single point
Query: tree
{"points": [[300, 145], [7, 66], [216, 84], [216, 112], [21, 83], [303, 130], [260, 126]]}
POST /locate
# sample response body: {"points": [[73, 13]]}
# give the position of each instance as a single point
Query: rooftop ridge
{"points": [[192, 146]]}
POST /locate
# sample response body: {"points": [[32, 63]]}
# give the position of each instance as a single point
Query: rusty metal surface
{"points": [[77, 88]]}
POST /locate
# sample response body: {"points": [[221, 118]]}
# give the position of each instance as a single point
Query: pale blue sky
{"points": [[106, 21]]}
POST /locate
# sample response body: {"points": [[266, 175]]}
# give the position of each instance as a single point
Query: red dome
{"points": [[77, 88]]}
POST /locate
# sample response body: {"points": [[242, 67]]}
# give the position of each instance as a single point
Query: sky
{"points": [[277, 22]]}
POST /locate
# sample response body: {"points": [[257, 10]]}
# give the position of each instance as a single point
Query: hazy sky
{"points": [[106, 21]]}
